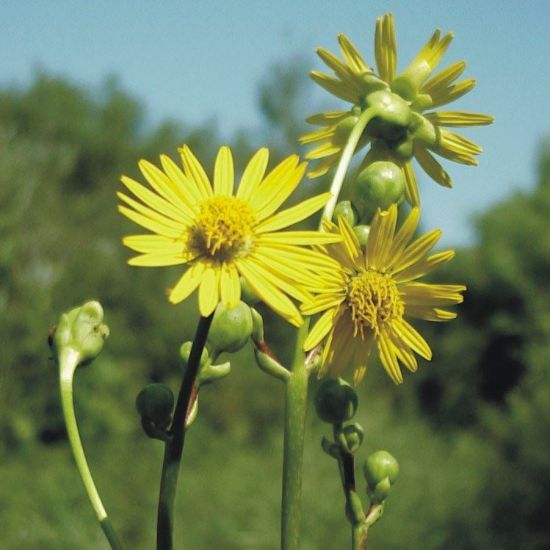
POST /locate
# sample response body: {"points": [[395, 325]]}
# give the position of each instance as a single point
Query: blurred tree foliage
{"points": [[471, 430]]}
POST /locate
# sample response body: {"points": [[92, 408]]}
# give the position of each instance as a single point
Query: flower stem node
{"points": [[231, 328], [381, 470], [345, 209], [362, 233], [155, 403], [392, 118], [80, 333], [351, 437], [379, 185], [335, 401]]}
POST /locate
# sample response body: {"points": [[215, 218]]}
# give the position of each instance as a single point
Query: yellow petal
{"points": [[411, 187], [352, 55], [416, 251], [423, 267], [253, 174], [432, 167], [195, 172], [157, 260], [186, 192], [386, 349], [330, 118], [320, 329], [230, 286], [380, 237], [458, 118], [153, 244], [223, 172], [188, 282], [152, 224], [334, 86], [298, 238], [404, 236], [412, 338], [209, 290]]}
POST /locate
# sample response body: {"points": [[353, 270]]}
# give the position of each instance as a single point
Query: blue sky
{"points": [[200, 60]]}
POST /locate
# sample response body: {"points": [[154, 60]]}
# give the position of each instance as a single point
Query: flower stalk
{"points": [[173, 450]]}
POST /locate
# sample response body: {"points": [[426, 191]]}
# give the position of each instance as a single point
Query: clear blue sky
{"points": [[195, 60]]}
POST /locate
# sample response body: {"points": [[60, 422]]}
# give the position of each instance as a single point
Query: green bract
{"points": [[335, 401], [81, 332], [230, 329]]}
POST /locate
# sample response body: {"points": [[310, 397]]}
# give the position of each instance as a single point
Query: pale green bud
{"points": [[80, 333], [231, 328], [362, 234], [335, 401], [346, 210], [185, 352], [381, 471], [351, 437]]}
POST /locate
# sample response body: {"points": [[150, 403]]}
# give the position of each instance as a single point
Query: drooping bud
{"points": [[185, 352], [351, 437], [381, 470], [155, 403], [346, 210], [231, 328], [80, 334], [335, 401], [379, 185]]}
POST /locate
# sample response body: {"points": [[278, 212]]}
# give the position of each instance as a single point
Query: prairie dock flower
{"points": [[399, 129], [365, 303], [220, 235]]}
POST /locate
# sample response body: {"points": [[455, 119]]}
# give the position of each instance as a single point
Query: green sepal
{"points": [[270, 365], [210, 373]]}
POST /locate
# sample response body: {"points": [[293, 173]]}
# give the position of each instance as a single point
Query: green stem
{"points": [[358, 537], [345, 159], [68, 361], [173, 449], [295, 418]]}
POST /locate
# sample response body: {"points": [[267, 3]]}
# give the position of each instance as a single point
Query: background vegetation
{"points": [[471, 430]]}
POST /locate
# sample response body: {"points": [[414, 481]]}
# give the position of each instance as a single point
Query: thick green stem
{"points": [[358, 537], [68, 363], [174, 445], [295, 418], [345, 159]]}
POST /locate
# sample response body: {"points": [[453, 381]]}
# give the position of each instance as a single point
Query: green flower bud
{"points": [[257, 327], [351, 437], [335, 401], [230, 329], [185, 352], [362, 234], [345, 210], [270, 365], [381, 471], [248, 295], [379, 185], [393, 115], [155, 403], [80, 334], [343, 129]]}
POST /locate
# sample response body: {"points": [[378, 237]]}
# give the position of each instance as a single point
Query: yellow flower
{"points": [[367, 300], [220, 236], [408, 135]]}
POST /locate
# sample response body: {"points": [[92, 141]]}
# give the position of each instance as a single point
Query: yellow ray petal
{"points": [[451, 93], [380, 237], [320, 329], [411, 187], [386, 350], [298, 238], [185, 190], [317, 135], [385, 47], [153, 243], [342, 71], [432, 167], [330, 118], [423, 267], [230, 286], [404, 354], [321, 303], [412, 338], [293, 215], [416, 251], [430, 295], [223, 172], [404, 236], [441, 80], [334, 86], [269, 294], [458, 118], [157, 260], [195, 172], [322, 168], [253, 174], [154, 225], [209, 291], [188, 282], [352, 55], [430, 313]]}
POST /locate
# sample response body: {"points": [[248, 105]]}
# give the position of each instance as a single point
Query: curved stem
{"points": [[295, 418], [345, 159], [173, 449], [68, 363]]}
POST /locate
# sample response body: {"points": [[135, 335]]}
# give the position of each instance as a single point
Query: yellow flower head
{"points": [[220, 236], [367, 300], [400, 130]]}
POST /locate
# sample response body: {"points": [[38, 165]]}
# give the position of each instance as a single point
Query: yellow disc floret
{"points": [[223, 229], [374, 301]]}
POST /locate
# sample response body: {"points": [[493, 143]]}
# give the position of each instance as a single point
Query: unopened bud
{"points": [[335, 401], [155, 403], [231, 328]]}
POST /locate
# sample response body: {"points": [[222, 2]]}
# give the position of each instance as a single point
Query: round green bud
{"points": [[352, 437], [185, 352], [248, 295], [335, 401], [231, 328], [155, 402], [345, 210], [379, 185], [343, 129], [379, 466], [362, 234]]}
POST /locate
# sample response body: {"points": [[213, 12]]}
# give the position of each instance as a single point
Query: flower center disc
{"points": [[374, 301], [222, 229]]}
